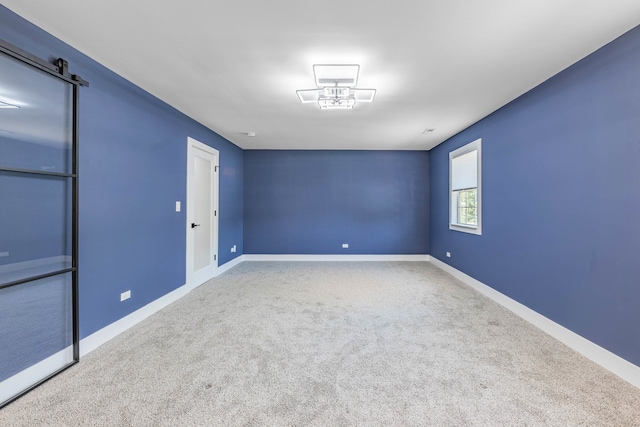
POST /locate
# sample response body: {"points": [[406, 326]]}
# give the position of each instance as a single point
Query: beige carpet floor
{"points": [[331, 344]]}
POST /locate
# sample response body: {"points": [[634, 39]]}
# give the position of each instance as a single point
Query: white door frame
{"points": [[193, 147]]}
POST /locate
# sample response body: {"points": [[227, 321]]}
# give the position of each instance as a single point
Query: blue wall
{"points": [[561, 192], [133, 158], [310, 202], [561, 197]]}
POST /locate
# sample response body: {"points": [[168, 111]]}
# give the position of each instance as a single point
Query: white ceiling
{"points": [[235, 66]]}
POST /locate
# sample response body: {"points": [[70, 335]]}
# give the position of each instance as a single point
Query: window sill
{"points": [[466, 229]]}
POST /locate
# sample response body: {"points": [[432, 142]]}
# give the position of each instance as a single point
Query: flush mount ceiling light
{"points": [[7, 105], [336, 88]]}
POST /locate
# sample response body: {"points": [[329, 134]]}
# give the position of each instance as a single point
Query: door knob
{"points": [[194, 225]]}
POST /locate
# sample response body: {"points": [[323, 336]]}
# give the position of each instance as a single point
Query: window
{"points": [[465, 188]]}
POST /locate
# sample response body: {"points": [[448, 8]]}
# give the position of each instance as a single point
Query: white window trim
{"points": [[477, 146]]}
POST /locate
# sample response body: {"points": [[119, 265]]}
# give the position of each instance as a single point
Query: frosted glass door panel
{"points": [[35, 225], [202, 232], [35, 119]]}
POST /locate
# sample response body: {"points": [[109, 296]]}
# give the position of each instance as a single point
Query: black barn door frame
{"points": [[60, 70]]}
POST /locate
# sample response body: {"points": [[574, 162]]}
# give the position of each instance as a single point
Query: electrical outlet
{"points": [[178, 206], [233, 249], [4, 254], [345, 246], [125, 295], [448, 254]]}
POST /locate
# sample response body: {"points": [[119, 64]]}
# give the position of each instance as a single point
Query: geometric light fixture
{"points": [[336, 87], [7, 105]]}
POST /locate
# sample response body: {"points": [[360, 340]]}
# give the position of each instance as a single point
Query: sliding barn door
{"points": [[38, 221]]}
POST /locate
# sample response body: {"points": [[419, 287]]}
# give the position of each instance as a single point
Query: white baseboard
{"points": [[285, 257], [229, 265], [610, 361], [109, 332], [34, 373], [34, 267], [35, 263]]}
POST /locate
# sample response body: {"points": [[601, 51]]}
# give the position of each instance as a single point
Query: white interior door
{"points": [[202, 212]]}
